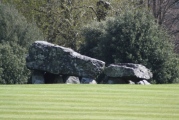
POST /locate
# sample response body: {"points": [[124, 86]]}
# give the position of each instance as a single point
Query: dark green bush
{"points": [[15, 37], [133, 37]]}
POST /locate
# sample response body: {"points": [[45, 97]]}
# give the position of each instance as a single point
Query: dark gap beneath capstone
{"points": [[49, 78]]}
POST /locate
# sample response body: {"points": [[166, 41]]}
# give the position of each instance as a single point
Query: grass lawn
{"points": [[89, 102]]}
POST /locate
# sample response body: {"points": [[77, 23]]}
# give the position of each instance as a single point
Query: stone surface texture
{"points": [[44, 56], [143, 82], [72, 80], [128, 71], [88, 81]]}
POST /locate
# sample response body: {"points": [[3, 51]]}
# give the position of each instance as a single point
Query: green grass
{"points": [[89, 102]]}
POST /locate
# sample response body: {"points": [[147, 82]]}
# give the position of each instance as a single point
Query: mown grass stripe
{"points": [[85, 102]]}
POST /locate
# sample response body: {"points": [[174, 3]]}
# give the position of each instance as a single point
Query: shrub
{"points": [[133, 37], [15, 37]]}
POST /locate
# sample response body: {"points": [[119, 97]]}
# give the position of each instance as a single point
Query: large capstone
{"points": [[51, 58], [128, 71]]}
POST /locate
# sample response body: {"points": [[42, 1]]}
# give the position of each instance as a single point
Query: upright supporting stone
{"points": [[143, 82], [37, 77], [88, 81], [72, 80]]}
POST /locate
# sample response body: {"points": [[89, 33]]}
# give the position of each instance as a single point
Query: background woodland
{"points": [[138, 31]]}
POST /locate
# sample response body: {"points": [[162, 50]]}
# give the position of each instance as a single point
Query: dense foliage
{"points": [[61, 20], [133, 37], [15, 37]]}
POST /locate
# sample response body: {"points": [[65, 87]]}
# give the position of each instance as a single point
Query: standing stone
{"points": [[143, 82], [37, 77], [131, 82], [146, 82], [88, 81], [44, 56], [72, 80]]}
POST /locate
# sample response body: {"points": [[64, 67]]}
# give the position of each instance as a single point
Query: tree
{"points": [[61, 20], [15, 37], [133, 37], [166, 13]]}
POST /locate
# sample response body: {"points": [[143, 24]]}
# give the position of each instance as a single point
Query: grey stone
{"points": [[56, 59], [143, 82], [37, 77], [140, 83], [128, 71], [131, 82], [72, 80], [88, 81], [146, 82]]}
